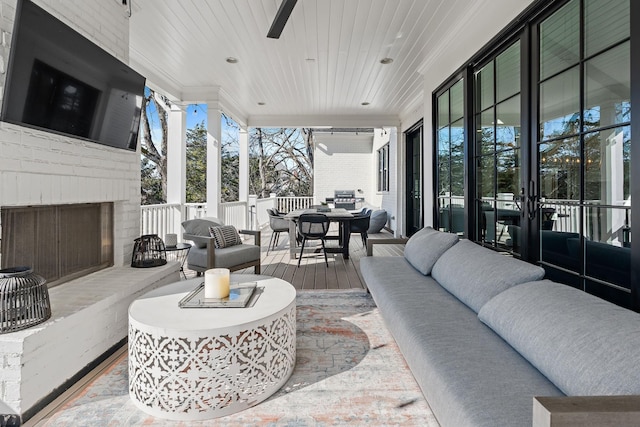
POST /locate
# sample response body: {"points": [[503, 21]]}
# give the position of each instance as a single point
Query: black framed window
{"points": [[498, 178], [549, 150], [584, 146], [450, 147], [383, 168]]}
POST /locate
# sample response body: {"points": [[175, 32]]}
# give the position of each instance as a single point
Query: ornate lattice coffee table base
{"points": [[191, 375]]}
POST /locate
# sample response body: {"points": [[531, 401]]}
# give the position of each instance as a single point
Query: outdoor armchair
{"points": [[204, 255]]}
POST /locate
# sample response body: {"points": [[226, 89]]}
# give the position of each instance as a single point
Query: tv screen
{"points": [[60, 81]]}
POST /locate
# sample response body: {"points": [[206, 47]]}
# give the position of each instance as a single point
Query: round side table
{"points": [[201, 363], [178, 253]]}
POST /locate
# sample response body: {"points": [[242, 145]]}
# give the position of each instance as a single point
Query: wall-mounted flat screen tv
{"points": [[61, 82]]}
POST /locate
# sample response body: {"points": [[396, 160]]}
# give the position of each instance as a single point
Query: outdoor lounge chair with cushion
{"points": [[204, 255]]}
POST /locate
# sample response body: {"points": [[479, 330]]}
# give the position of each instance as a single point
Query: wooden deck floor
{"points": [[313, 273]]}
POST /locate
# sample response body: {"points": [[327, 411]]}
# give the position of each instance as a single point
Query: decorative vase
{"points": [[171, 240], [24, 299]]}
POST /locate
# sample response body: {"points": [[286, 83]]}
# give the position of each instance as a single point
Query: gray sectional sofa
{"points": [[483, 334]]}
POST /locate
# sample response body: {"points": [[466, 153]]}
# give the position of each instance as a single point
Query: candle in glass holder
{"points": [[216, 283]]}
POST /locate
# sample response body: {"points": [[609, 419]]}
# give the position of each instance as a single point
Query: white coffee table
{"points": [[201, 363]]}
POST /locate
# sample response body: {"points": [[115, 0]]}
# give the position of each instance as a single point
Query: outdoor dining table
{"points": [[342, 216]]}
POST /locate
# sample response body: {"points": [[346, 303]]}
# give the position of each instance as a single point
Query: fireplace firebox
{"points": [[60, 242]]}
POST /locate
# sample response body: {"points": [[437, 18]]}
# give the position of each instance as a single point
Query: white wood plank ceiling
{"points": [[325, 64]]}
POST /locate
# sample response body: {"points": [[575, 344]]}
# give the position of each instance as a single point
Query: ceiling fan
{"points": [[286, 7]]}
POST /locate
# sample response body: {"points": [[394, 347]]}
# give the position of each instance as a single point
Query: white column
{"points": [[243, 172], [243, 191], [177, 162], [214, 159], [396, 168]]}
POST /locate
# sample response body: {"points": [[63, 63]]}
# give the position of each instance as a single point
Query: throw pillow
{"points": [[225, 236]]}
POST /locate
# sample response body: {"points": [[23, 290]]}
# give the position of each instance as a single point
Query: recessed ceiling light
{"points": [[386, 61], [232, 60], [365, 103], [261, 103]]}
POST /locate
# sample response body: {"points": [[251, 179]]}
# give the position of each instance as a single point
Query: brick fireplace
{"points": [[38, 170]]}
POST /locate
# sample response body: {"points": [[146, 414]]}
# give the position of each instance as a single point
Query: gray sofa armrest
{"points": [[255, 233], [371, 242]]}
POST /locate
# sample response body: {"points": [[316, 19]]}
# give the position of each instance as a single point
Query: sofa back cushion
{"points": [[583, 344], [199, 230], [424, 248], [475, 274]]}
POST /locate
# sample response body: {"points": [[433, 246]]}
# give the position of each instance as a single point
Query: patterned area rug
{"points": [[348, 371]]}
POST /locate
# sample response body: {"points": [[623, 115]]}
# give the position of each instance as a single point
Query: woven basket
{"points": [[24, 299]]}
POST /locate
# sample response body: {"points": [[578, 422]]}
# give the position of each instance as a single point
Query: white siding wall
{"points": [[41, 168], [386, 200], [343, 162]]}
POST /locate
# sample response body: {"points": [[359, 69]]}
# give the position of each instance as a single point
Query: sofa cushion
{"points": [[467, 373], [200, 227], [583, 344], [225, 236], [475, 274], [424, 248]]}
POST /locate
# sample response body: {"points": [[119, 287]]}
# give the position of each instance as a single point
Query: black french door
{"points": [[413, 196]]}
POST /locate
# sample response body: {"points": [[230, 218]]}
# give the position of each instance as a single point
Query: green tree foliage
{"points": [[197, 164], [230, 172], [150, 183]]}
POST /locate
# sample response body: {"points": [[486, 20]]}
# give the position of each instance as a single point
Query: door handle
{"points": [[532, 199]]}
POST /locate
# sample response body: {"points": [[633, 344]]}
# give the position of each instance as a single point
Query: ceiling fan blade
{"points": [[281, 18]]}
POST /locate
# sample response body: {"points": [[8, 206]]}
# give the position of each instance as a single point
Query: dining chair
{"points": [[278, 225], [313, 226], [360, 224]]}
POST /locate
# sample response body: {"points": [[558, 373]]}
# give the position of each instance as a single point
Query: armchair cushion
{"points": [[225, 236], [228, 257], [198, 230]]}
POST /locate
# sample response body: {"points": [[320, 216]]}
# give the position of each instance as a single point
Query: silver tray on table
{"points": [[239, 296]]}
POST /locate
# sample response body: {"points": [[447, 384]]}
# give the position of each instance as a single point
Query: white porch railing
{"points": [[287, 204], [234, 213], [160, 219], [163, 219]]}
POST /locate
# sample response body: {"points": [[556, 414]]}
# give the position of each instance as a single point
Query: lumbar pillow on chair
{"points": [[225, 235]]}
